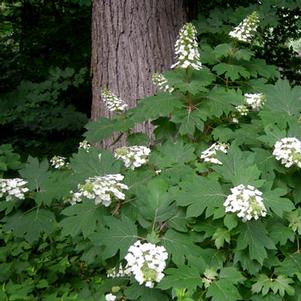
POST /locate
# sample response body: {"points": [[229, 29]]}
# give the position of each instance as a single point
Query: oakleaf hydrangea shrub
{"points": [[208, 208]]}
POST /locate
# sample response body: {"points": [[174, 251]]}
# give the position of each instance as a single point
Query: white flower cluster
{"points": [[255, 100], [209, 154], [242, 110], [245, 30], [13, 189], [58, 162], [288, 151], [161, 82], [121, 272], [186, 49], [132, 156], [101, 189], [84, 145], [110, 297], [146, 262], [113, 103], [246, 201]]}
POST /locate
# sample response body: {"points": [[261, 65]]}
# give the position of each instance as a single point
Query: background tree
{"points": [[132, 39]]}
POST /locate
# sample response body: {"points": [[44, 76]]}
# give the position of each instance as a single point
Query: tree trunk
{"points": [[132, 39]]}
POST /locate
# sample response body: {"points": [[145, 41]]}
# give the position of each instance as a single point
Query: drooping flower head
{"points": [[186, 49], [133, 156], [255, 100], [288, 151], [113, 103], [245, 30], [101, 189], [13, 189], [209, 155], [246, 202], [146, 262], [161, 82]]}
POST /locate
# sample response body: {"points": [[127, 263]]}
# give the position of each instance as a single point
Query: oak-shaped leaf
{"points": [[254, 236], [32, 224], [199, 194], [115, 235]]}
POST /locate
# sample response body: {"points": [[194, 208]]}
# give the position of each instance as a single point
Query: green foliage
{"points": [[54, 250], [9, 160], [44, 90]]}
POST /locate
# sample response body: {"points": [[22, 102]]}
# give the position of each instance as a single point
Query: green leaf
{"points": [[137, 179], [230, 221], [8, 159], [290, 266], [154, 203], [170, 154], [253, 235], [198, 80], [243, 54], [279, 285], [138, 139], [141, 293], [223, 290], [32, 224], [154, 107], [231, 274], [233, 72], [220, 101], [222, 50], [238, 167], [221, 236], [115, 234], [258, 67], [279, 205], [266, 163], [294, 219], [247, 264], [281, 233], [188, 121], [104, 128], [56, 187], [282, 98], [35, 173], [183, 277], [179, 246], [268, 297], [199, 193], [93, 163], [81, 218]]}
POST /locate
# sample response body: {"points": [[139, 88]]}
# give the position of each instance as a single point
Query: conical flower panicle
{"points": [[245, 30], [112, 102], [186, 49], [161, 82], [209, 154]]}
